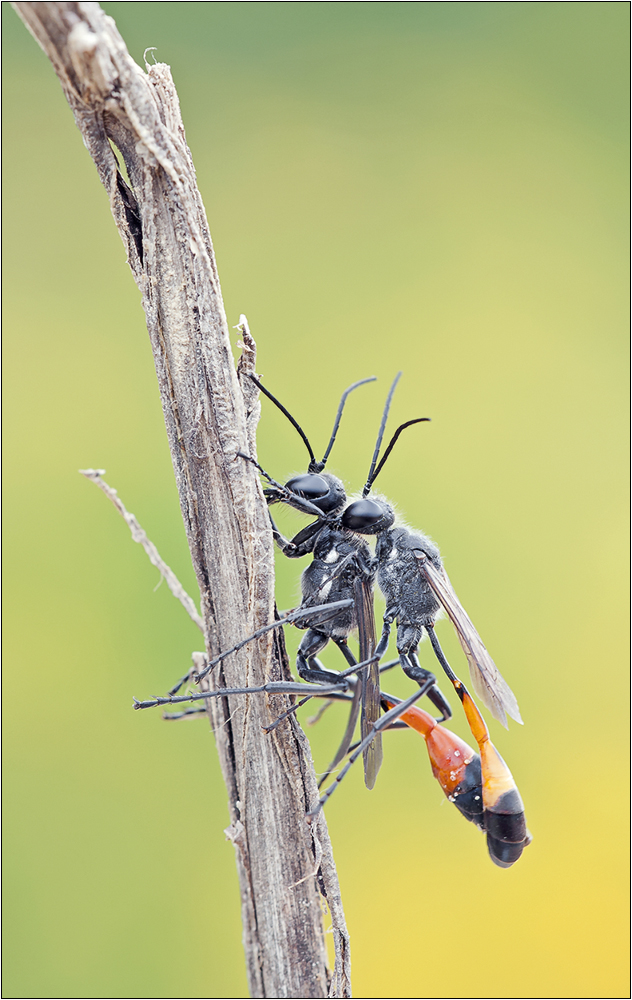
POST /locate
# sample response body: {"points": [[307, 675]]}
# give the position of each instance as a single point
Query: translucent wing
{"points": [[488, 682], [370, 680], [343, 749]]}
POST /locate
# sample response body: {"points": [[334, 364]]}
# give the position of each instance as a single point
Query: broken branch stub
{"points": [[122, 111]]}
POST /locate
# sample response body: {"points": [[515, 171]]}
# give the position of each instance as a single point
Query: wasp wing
{"points": [[343, 749], [488, 682], [370, 679]]}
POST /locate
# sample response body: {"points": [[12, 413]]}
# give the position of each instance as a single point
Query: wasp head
{"points": [[324, 491], [368, 516]]}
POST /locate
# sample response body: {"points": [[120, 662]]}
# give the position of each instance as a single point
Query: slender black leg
{"points": [[287, 548], [306, 663], [441, 657], [420, 676], [332, 696], [389, 666], [272, 687], [346, 652], [408, 636], [318, 668], [297, 616], [183, 680], [285, 715], [354, 712], [186, 714], [383, 723], [382, 645], [412, 669], [281, 493], [435, 694], [335, 695], [317, 664]]}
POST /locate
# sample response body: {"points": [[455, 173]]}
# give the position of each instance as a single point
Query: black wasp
{"points": [[416, 587], [337, 586], [338, 557]]}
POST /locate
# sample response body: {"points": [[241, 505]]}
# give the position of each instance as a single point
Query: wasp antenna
{"points": [[391, 445], [378, 443], [287, 414], [341, 406]]}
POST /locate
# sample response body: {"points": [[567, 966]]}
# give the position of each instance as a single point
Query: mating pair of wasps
{"points": [[337, 591]]}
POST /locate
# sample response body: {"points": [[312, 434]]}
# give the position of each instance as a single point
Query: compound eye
{"points": [[310, 486], [362, 514]]}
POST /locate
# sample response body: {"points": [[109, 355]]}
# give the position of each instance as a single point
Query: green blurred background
{"points": [[438, 187]]}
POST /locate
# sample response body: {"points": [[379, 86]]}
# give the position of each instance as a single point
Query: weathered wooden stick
{"points": [[211, 414]]}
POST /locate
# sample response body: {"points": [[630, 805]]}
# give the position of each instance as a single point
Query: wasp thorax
{"points": [[368, 516], [325, 492]]}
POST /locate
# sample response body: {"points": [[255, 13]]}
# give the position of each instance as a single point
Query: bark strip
{"points": [[211, 412]]}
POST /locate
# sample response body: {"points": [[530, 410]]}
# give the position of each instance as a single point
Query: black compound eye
{"points": [[362, 514], [310, 486]]}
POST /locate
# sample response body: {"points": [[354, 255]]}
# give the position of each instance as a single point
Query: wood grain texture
{"points": [[211, 413]]}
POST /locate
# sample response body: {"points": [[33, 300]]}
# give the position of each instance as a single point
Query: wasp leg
{"points": [[287, 547], [302, 543], [186, 714], [407, 641], [332, 697], [318, 667], [295, 616], [408, 637], [354, 712], [442, 660], [435, 694], [346, 652], [183, 680], [272, 687], [383, 723], [285, 715], [417, 673], [382, 645], [389, 666], [308, 666]]}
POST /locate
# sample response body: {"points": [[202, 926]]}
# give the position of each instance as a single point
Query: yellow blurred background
{"points": [[437, 187]]}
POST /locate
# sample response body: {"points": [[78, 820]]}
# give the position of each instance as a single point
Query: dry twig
{"points": [[210, 414], [140, 536]]}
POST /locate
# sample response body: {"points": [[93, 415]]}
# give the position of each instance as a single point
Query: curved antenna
{"points": [[391, 445], [288, 415], [371, 477], [321, 465]]}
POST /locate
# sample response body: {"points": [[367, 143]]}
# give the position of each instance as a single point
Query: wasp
{"points": [[337, 595], [416, 588]]}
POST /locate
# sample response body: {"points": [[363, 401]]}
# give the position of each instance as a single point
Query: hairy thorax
{"points": [[399, 577], [339, 559]]}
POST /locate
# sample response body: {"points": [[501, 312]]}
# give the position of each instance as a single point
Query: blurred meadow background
{"points": [[436, 187]]}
